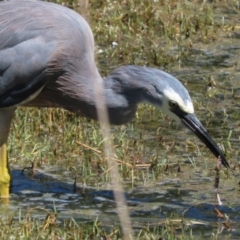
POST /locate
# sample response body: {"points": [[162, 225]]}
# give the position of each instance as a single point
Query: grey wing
{"points": [[23, 71], [25, 53]]}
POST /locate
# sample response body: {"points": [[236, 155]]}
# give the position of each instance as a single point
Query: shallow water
{"points": [[189, 193], [188, 196]]}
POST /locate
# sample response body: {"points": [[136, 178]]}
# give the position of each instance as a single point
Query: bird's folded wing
{"points": [[23, 70]]}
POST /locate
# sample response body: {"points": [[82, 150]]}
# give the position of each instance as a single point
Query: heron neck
{"points": [[122, 95], [120, 106]]}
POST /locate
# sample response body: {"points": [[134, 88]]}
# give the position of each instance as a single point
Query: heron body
{"points": [[47, 60]]}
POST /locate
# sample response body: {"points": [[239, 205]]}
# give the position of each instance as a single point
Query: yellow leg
{"points": [[6, 115], [5, 177]]}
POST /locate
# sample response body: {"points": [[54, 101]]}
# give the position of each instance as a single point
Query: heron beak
{"points": [[192, 123]]}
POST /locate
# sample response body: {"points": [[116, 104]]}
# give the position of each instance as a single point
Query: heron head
{"points": [[176, 102]]}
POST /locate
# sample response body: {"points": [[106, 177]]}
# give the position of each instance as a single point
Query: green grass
{"points": [[152, 33], [17, 226]]}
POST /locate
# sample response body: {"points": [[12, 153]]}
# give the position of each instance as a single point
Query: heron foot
{"points": [[5, 177]]}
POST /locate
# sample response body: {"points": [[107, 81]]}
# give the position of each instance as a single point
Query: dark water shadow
{"points": [[148, 206], [39, 182]]}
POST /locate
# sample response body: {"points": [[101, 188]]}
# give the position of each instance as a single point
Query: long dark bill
{"points": [[192, 123]]}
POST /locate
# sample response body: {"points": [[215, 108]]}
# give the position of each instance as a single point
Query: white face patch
{"points": [[170, 94]]}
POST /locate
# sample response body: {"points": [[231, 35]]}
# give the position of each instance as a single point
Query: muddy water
{"points": [[188, 194]]}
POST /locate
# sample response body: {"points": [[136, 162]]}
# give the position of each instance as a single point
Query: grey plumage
{"points": [[47, 60]]}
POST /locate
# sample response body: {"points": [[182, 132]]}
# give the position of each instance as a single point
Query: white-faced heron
{"points": [[47, 60]]}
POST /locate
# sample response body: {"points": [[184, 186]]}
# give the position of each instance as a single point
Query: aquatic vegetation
{"points": [[173, 35]]}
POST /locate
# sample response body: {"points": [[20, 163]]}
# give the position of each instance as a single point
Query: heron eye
{"points": [[172, 104]]}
